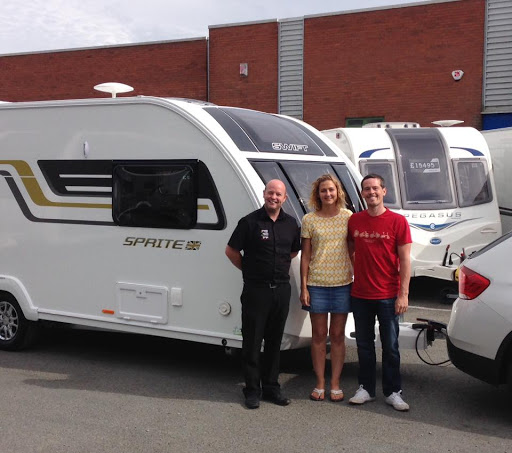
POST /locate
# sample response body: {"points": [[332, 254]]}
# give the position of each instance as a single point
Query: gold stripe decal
{"points": [[21, 167], [35, 192], [39, 198]]}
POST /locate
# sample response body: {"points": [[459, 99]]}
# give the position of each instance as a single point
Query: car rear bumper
{"points": [[482, 368]]}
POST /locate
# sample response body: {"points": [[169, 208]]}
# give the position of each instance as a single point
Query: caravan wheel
{"points": [[15, 331]]}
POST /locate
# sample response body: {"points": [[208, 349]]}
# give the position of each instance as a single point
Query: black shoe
{"points": [[278, 399], [252, 402]]}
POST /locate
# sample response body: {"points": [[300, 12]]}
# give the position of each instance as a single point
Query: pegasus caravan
{"points": [[440, 179], [116, 212], [500, 147]]}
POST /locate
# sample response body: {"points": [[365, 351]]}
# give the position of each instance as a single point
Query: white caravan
{"points": [[440, 179], [500, 147], [116, 213]]}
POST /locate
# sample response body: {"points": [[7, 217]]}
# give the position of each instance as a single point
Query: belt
{"points": [[266, 284]]}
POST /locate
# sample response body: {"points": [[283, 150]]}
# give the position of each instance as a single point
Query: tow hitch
{"points": [[419, 336], [428, 331]]}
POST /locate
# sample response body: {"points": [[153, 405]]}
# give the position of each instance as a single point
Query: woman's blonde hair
{"points": [[314, 199]]}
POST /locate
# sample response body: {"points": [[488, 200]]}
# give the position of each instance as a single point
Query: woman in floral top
{"points": [[326, 277]]}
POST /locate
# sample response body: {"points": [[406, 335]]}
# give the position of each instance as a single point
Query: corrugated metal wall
{"points": [[291, 67], [498, 57]]}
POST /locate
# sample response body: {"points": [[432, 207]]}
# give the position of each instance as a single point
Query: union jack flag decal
{"points": [[193, 245]]}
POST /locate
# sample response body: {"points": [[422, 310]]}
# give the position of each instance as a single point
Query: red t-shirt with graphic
{"points": [[376, 262]]}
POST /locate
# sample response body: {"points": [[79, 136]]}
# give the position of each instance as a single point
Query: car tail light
{"points": [[471, 284]]}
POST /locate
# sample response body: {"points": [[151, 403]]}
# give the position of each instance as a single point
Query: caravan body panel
{"points": [[500, 147], [81, 183]]}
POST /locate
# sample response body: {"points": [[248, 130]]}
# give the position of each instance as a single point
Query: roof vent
{"points": [[391, 125], [113, 88], [447, 123]]}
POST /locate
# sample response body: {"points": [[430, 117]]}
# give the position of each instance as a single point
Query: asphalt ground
{"points": [[90, 391]]}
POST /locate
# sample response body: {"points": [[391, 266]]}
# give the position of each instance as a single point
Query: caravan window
{"points": [[388, 171], [352, 190], [271, 170], [473, 184], [182, 194], [298, 178], [425, 176], [303, 177], [156, 196]]}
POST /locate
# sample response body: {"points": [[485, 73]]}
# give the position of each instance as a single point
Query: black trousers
{"points": [[264, 313]]}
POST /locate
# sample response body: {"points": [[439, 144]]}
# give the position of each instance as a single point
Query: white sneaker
{"points": [[395, 400], [361, 396]]}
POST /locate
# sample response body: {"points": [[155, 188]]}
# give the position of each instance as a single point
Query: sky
{"points": [[39, 25]]}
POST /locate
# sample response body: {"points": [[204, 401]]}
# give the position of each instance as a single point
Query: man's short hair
{"points": [[374, 176]]}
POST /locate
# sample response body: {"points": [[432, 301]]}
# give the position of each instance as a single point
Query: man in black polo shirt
{"points": [[269, 239]]}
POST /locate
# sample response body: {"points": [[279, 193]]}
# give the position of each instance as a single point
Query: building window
{"points": [[360, 122]]}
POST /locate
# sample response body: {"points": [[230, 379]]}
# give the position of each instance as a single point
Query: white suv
{"points": [[480, 328]]}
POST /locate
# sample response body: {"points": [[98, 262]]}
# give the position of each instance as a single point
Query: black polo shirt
{"points": [[266, 246]]}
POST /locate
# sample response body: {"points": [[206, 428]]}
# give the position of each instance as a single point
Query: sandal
{"points": [[317, 394], [336, 396]]}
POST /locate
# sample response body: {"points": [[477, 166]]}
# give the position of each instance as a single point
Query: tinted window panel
{"points": [[155, 196], [354, 201], [321, 144], [233, 129], [303, 176], [299, 177], [268, 133], [271, 170], [384, 169], [425, 174], [472, 182]]}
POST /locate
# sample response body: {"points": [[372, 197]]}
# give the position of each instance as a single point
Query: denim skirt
{"points": [[329, 299]]}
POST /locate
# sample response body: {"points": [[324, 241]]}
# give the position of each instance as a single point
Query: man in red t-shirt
{"points": [[380, 246]]}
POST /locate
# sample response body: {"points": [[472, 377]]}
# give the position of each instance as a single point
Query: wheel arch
{"points": [[504, 356], [13, 286]]}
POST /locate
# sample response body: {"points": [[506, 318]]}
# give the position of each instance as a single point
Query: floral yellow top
{"points": [[330, 263]]}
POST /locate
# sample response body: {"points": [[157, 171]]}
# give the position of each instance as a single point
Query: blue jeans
{"points": [[365, 311]]}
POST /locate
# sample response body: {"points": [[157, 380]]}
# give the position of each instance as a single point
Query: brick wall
{"points": [[395, 63], [166, 69], [255, 44]]}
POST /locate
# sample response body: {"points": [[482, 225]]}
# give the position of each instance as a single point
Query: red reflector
{"points": [[471, 284]]}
